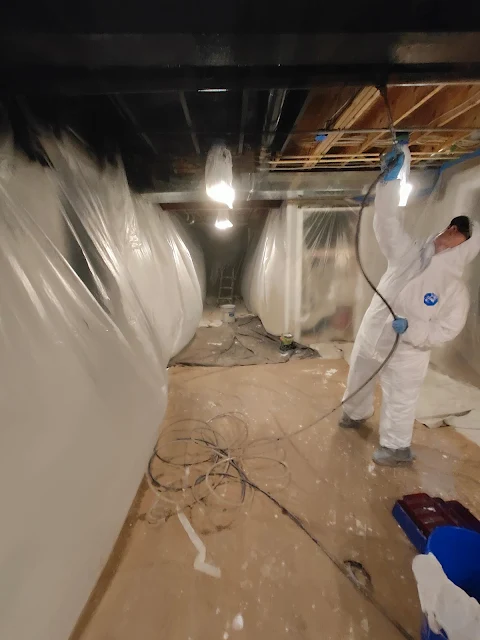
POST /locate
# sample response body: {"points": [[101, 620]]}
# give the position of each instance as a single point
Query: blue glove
{"points": [[394, 160], [400, 325]]}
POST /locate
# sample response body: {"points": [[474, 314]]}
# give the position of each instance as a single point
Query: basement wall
{"points": [[98, 290], [457, 193], [301, 276]]}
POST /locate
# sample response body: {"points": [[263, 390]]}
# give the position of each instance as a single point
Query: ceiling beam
{"points": [[145, 49], [362, 102], [104, 63], [460, 105], [188, 119], [402, 105]]}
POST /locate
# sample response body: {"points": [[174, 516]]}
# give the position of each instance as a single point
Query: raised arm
{"points": [[388, 223]]}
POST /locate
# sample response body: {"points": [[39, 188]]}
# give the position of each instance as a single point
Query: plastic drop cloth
{"points": [[98, 290]]}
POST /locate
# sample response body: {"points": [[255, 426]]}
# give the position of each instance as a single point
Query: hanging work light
{"points": [[219, 176], [223, 222]]}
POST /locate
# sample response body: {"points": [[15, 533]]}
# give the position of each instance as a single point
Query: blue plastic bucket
{"points": [[458, 551]]}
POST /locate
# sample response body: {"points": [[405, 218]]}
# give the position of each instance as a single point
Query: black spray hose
{"points": [[371, 285], [383, 93]]}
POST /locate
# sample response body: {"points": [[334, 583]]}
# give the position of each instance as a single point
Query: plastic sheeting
{"points": [[456, 193], [300, 276], [98, 291], [264, 276], [329, 274], [334, 295]]}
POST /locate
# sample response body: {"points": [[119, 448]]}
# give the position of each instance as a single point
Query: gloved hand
{"points": [[394, 160], [400, 325]]}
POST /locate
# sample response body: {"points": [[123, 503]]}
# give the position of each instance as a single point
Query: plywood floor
{"points": [[281, 582]]}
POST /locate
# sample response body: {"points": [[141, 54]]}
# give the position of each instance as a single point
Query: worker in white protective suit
{"points": [[423, 285]]}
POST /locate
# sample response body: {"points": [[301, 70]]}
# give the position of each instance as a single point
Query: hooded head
{"points": [[458, 245], [458, 231]]}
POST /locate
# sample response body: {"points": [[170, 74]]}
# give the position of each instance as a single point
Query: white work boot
{"points": [[393, 457], [349, 423]]}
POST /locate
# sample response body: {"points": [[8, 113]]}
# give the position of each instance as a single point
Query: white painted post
{"points": [[293, 269]]}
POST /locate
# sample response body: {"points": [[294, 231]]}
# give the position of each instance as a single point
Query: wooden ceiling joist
{"points": [[405, 104], [362, 102], [430, 107]]}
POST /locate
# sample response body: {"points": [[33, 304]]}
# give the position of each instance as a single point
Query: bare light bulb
{"points": [[223, 223], [221, 192]]}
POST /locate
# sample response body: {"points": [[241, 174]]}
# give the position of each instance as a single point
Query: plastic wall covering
{"points": [[329, 274], [456, 193], [323, 256], [98, 291], [334, 295], [264, 274]]}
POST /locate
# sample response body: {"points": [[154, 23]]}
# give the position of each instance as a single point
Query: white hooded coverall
{"points": [[424, 287]]}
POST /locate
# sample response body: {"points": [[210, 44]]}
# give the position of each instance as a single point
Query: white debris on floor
{"points": [[446, 402]]}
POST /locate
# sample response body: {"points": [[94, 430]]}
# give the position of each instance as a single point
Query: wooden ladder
{"points": [[226, 286]]}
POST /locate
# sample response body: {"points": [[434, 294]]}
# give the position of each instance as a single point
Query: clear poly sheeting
{"points": [[329, 274], [456, 193], [334, 294], [138, 256], [98, 291], [301, 275], [264, 275]]}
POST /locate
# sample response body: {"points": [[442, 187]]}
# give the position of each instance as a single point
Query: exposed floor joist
{"points": [[443, 121]]}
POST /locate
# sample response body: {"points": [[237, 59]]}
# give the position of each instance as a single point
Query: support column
{"points": [[293, 269]]}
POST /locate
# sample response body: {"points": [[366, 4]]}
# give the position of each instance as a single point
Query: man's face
{"points": [[448, 239]]}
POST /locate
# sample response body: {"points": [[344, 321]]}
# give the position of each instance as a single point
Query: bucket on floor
{"points": [[458, 551], [228, 313]]}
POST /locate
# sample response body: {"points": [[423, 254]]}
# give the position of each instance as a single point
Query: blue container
{"points": [[458, 551], [411, 530]]}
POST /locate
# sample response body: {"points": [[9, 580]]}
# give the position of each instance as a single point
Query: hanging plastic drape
{"points": [[329, 274], [263, 281], [457, 192], [98, 291], [311, 250], [300, 275]]}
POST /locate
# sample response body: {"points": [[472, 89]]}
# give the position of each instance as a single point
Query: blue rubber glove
{"points": [[393, 159], [400, 325]]}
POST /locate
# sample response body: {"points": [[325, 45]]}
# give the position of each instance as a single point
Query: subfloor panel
{"points": [[277, 580]]}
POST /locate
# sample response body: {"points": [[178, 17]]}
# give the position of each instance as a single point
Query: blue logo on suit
{"points": [[430, 299]]}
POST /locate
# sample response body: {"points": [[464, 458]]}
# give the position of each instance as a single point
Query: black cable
{"points": [[234, 471]]}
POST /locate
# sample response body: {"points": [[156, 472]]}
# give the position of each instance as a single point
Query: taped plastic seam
{"points": [[98, 290]]}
